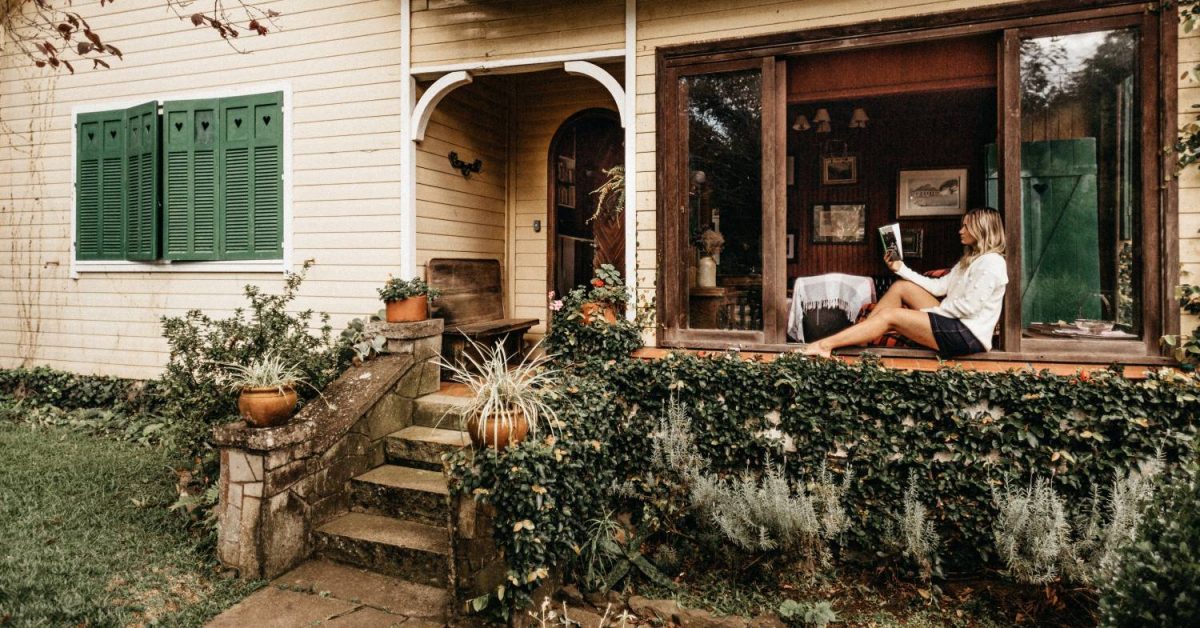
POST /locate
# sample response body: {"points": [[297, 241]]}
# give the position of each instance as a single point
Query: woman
{"points": [[961, 323]]}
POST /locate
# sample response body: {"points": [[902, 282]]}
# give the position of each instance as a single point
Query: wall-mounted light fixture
{"points": [[859, 119], [822, 119], [465, 168], [824, 122]]}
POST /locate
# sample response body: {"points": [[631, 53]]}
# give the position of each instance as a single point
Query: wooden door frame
{"points": [[1157, 55], [551, 180]]}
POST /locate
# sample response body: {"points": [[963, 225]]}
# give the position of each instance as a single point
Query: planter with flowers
{"points": [[407, 299], [589, 322]]}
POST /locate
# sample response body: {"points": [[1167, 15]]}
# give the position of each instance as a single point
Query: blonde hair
{"points": [[984, 224]]}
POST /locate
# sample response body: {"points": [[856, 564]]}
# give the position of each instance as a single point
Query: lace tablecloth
{"points": [[849, 293]]}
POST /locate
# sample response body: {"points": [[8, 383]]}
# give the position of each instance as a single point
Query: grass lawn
{"points": [[86, 537]]}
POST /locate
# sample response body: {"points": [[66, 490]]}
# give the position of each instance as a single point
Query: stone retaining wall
{"points": [[279, 484]]}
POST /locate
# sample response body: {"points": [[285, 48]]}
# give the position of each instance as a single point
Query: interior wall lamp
{"points": [[824, 122]]}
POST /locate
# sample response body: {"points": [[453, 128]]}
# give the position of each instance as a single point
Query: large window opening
{"points": [[781, 161]]}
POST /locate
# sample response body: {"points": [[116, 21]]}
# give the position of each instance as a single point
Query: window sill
{"points": [[168, 266], [917, 360]]}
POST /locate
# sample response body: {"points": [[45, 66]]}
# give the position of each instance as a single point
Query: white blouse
{"points": [[974, 295]]}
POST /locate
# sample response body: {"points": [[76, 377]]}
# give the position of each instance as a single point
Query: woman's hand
{"points": [[892, 262]]}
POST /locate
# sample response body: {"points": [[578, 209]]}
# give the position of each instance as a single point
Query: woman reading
{"points": [[963, 321]]}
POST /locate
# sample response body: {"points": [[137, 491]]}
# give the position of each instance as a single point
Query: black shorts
{"points": [[953, 338]]}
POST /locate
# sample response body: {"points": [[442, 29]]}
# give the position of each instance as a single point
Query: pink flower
{"points": [[556, 305], [550, 296]]}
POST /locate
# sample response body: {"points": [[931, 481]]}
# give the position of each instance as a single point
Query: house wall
{"points": [[457, 216], [342, 63], [1189, 180], [453, 31], [543, 101]]}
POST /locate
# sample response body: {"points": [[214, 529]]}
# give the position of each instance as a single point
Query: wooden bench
{"points": [[472, 305]]}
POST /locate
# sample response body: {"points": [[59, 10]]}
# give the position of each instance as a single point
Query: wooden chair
{"points": [[472, 306]]}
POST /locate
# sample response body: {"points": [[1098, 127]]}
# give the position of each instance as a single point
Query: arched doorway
{"points": [[584, 147]]}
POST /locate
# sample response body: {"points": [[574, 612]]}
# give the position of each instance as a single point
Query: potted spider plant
{"points": [[266, 389], [407, 300], [506, 403]]}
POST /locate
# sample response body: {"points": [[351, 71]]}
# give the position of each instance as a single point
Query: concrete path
{"points": [[325, 593]]}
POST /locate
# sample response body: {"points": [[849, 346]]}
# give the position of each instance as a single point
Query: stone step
{"points": [[420, 446], [439, 410], [402, 492], [414, 551]]}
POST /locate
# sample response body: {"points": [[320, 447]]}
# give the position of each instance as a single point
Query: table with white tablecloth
{"points": [[848, 293]]}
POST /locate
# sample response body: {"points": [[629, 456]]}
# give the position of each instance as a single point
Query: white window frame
{"points": [[281, 265]]}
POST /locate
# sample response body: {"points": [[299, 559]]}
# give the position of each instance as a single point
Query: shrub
{"points": [[201, 347], [912, 535], [955, 430], [817, 614], [1156, 580]]}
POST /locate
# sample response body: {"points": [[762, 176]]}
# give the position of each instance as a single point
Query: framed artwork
{"points": [[912, 239], [791, 247], [839, 170], [924, 193], [839, 224]]}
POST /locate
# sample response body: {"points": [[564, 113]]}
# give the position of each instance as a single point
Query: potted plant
{"points": [[506, 403], [606, 295], [610, 196], [407, 299], [266, 390]]}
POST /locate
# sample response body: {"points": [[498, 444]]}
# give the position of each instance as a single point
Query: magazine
{"points": [[890, 234]]}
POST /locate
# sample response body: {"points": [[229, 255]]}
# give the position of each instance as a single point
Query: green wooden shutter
{"points": [[141, 154], [100, 186], [191, 188], [252, 176]]}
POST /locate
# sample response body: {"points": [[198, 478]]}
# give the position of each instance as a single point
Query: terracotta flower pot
{"points": [[408, 310], [592, 308], [267, 407], [497, 435]]}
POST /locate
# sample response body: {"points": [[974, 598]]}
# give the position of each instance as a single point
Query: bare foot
{"points": [[817, 349]]}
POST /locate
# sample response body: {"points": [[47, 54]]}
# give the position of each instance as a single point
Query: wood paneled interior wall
{"points": [[543, 101], [459, 216], [925, 130], [454, 31]]}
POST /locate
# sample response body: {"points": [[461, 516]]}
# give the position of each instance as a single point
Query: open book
{"points": [[890, 234]]}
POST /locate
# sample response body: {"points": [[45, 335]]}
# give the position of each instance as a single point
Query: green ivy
{"points": [[958, 432]]}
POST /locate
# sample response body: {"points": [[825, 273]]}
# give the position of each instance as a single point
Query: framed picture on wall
{"points": [[924, 193], [912, 239], [839, 170], [839, 224]]}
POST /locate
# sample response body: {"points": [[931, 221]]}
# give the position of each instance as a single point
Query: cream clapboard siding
{"points": [[544, 101], [452, 31], [457, 216], [1189, 180], [342, 63]]}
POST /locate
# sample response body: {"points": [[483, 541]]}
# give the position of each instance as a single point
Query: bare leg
{"points": [[904, 293], [912, 324]]}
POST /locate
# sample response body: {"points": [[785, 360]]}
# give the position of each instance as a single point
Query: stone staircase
{"points": [[400, 520]]}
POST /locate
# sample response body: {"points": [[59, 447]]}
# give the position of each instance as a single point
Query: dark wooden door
{"points": [[583, 149]]}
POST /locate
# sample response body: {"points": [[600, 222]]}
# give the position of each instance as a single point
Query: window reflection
{"points": [[724, 148], [1080, 185]]}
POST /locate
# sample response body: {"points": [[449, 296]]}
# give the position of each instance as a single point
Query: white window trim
{"points": [[223, 266]]}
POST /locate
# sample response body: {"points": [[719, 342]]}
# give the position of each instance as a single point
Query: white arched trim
{"points": [[589, 69], [432, 96]]}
